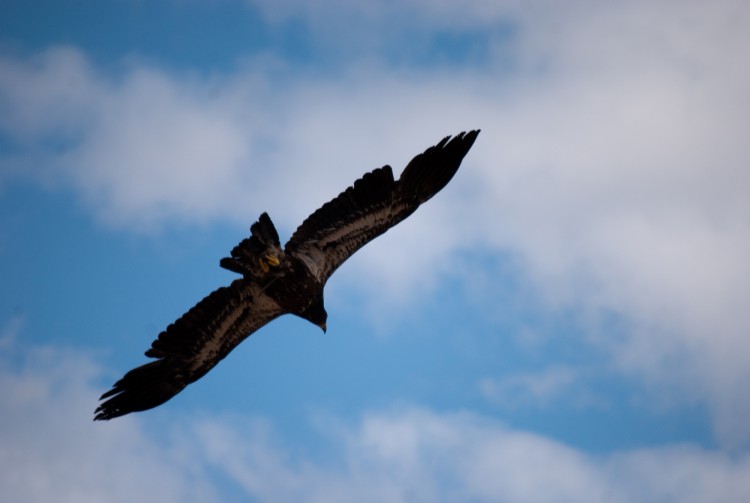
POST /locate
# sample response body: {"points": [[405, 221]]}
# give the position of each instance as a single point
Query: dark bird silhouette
{"points": [[278, 281]]}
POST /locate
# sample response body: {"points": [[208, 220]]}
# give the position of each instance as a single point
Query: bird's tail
{"points": [[245, 255]]}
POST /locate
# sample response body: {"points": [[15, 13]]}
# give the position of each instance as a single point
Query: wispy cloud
{"points": [[52, 450], [545, 388]]}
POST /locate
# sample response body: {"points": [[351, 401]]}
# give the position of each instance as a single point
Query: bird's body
{"points": [[280, 281]]}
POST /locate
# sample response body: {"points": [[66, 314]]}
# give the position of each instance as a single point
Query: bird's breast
{"points": [[295, 287]]}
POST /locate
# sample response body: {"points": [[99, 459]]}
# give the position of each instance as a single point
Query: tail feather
{"points": [[244, 256]]}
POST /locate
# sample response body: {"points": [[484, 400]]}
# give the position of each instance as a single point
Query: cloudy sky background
{"points": [[566, 321]]}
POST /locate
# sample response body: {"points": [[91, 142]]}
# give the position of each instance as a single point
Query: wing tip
{"points": [[429, 172], [142, 388], [465, 140]]}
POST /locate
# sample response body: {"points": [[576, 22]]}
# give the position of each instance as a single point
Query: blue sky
{"points": [[566, 321]]}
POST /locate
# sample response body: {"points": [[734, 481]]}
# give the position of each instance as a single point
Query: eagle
{"points": [[277, 281]]}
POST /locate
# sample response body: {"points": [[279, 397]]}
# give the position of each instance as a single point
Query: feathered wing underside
{"points": [[190, 347], [374, 204]]}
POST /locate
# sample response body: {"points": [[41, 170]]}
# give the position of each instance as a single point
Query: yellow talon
{"points": [[272, 260], [263, 265]]}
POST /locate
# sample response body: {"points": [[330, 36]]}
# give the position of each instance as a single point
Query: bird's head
{"points": [[316, 314]]}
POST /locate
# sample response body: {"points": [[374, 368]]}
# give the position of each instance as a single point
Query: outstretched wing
{"points": [[374, 204], [190, 347]]}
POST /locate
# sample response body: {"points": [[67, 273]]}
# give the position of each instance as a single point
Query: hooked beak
{"points": [[323, 327]]}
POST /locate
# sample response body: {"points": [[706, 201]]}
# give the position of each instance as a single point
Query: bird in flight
{"points": [[278, 281]]}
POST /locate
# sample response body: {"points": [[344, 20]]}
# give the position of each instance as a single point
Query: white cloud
{"points": [[401, 31], [628, 192], [142, 149], [612, 165], [52, 450], [545, 388]]}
